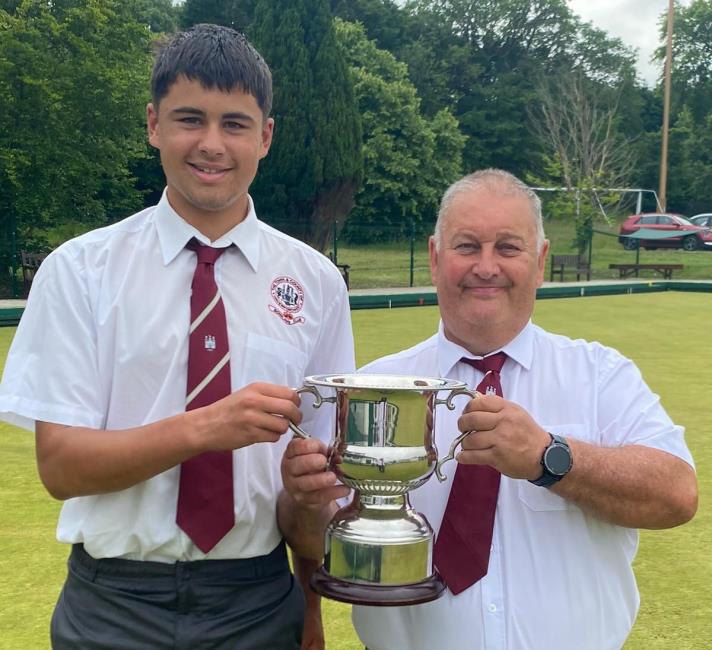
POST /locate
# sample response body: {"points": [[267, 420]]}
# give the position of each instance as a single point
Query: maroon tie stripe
{"points": [[462, 547], [206, 510]]}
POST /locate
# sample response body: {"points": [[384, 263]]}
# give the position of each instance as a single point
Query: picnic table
{"points": [[627, 270]]}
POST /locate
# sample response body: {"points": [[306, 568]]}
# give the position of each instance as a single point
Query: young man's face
{"points": [[211, 143], [487, 269]]}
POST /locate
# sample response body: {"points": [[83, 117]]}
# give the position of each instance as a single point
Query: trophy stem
{"points": [[385, 503]]}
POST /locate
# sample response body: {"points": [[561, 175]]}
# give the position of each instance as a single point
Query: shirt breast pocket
{"points": [[271, 360], [540, 499]]}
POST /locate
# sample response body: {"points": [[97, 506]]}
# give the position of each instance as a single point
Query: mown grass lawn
{"points": [[388, 264], [667, 334]]}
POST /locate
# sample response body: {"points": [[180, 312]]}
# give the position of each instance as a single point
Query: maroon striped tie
{"points": [[462, 547], [206, 510]]}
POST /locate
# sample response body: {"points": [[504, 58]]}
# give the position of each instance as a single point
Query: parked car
{"points": [[704, 220], [683, 233]]}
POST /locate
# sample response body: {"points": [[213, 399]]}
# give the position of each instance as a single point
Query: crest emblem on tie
{"points": [[288, 296], [209, 342]]}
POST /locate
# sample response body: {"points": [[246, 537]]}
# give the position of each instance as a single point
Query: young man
{"points": [[569, 452], [157, 362]]}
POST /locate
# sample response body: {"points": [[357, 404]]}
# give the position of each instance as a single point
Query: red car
{"points": [[683, 233]]}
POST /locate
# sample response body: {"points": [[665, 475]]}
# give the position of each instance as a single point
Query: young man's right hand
{"points": [[259, 412], [79, 461]]}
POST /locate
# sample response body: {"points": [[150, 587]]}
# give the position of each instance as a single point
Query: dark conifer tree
{"points": [[309, 179], [230, 13]]}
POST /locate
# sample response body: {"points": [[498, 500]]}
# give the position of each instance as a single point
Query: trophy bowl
{"points": [[377, 549]]}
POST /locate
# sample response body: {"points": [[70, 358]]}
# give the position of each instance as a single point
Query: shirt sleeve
{"points": [[630, 413], [51, 372]]}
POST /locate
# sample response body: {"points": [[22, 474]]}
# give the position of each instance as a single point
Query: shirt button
{"points": [[492, 607]]}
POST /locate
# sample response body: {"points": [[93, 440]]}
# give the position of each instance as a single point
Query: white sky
{"points": [[635, 22]]}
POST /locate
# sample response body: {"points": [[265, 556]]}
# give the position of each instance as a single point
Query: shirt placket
{"points": [[493, 603]]}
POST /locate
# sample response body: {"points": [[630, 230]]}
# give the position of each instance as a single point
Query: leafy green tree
{"points": [[482, 59], [409, 160], [691, 55], [699, 153], [689, 189], [161, 16], [72, 76], [384, 21], [689, 164], [308, 181]]}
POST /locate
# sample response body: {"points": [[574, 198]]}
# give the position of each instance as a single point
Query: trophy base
{"points": [[356, 593]]}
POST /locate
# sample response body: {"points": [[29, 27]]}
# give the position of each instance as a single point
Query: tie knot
{"points": [[492, 363], [206, 254]]}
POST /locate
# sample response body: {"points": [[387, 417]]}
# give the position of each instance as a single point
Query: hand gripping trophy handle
{"points": [[455, 443], [319, 400]]}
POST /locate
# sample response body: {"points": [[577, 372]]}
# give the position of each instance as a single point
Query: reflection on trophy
{"points": [[378, 550]]}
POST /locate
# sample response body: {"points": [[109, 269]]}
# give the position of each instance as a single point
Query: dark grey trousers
{"points": [[111, 604]]}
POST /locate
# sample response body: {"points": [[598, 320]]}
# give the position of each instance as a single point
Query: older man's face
{"points": [[487, 269]]}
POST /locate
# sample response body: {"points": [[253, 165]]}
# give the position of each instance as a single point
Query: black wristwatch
{"points": [[556, 462]]}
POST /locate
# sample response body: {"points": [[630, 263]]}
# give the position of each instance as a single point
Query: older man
{"points": [[568, 442]]}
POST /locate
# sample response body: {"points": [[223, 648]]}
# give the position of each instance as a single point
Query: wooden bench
{"points": [[626, 270], [30, 263], [578, 263], [344, 268]]}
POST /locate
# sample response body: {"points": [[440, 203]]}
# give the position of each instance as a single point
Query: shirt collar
{"points": [[174, 233], [520, 349]]}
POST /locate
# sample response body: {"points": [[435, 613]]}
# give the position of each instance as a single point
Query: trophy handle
{"points": [[455, 443], [319, 400]]}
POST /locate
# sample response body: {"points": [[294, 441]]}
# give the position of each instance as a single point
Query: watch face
{"points": [[557, 460]]}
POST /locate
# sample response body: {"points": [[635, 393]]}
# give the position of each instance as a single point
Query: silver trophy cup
{"points": [[378, 550]]}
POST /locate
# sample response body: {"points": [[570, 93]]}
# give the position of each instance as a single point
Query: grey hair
{"points": [[499, 182]]}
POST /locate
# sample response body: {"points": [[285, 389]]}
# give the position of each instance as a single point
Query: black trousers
{"points": [[111, 604]]}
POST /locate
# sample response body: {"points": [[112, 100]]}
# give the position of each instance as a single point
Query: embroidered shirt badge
{"points": [[288, 295]]}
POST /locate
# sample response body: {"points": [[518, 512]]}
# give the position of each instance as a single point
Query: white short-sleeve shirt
{"points": [[103, 343], [558, 578]]}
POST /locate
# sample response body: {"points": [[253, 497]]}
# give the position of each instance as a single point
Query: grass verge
{"points": [[388, 265]]}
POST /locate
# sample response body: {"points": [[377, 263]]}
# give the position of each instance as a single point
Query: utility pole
{"points": [[662, 193]]}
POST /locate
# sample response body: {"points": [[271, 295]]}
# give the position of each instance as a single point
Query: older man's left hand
{"points": [[504, 436]]}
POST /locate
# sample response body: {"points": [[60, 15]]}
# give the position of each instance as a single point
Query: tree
{"points": [[689, 165], [481, 59], [161, 16], [72, 75], [577, 122], [309, 179], [230, 13], [699, 155], [384, 21], [692, 51], [409, 160]]}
